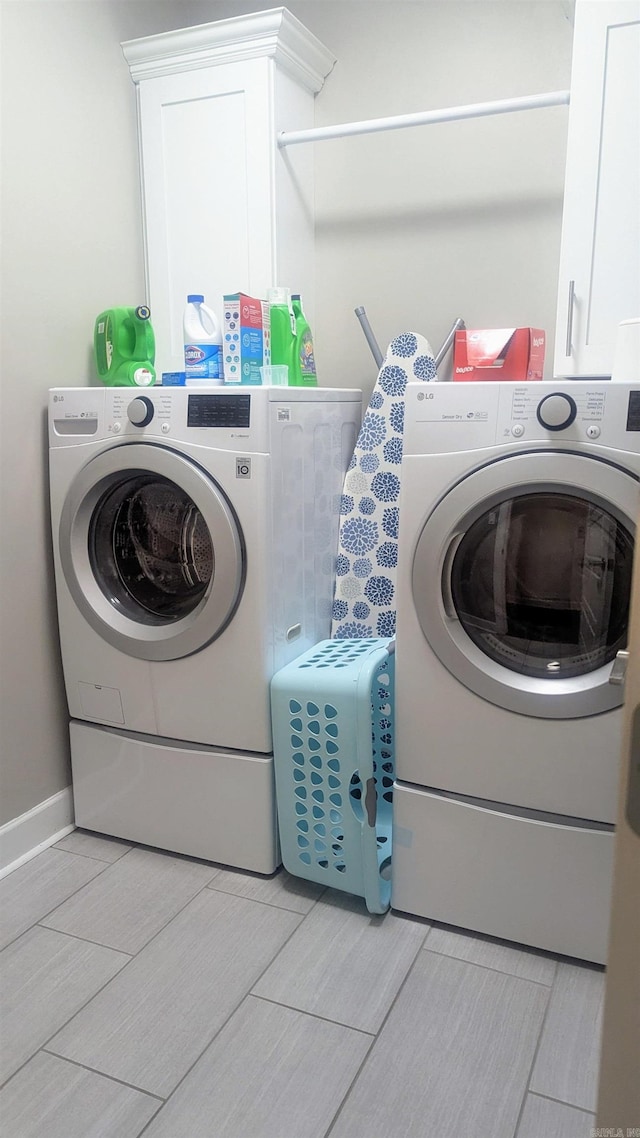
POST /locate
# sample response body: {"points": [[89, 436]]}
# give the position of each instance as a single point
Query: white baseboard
{"points": [[24, 837]]}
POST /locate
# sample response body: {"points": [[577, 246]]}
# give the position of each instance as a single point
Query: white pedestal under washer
{"points": [[194, 535], [517, 529]]}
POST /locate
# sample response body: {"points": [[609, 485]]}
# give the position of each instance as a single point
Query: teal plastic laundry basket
{"points": [[332, 711]]}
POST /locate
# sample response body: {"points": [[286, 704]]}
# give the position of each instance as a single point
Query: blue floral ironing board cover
{"points": [[364, 598]]}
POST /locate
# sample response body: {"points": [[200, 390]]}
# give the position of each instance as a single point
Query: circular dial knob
{"points": [[140, 411], [557, 411]]}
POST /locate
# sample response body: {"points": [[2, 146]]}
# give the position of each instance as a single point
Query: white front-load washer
{"points": [[517, 523], [194, 536]]}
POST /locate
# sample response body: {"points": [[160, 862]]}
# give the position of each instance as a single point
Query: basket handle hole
{"points": [[363, 804], [355, 796]]}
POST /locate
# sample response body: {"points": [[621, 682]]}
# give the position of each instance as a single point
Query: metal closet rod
{"points": [[423, 118]]}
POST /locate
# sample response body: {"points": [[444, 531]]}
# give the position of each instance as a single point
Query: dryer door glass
{"points": [[150, 549], [533, 555], [541, 583]]}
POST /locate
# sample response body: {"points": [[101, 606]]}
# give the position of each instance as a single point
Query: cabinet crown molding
{"points": [[275, 33]]}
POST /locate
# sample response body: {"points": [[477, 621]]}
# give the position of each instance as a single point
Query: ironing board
{"points": [[364, 596]]}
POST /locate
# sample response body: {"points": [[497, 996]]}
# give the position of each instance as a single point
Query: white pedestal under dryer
{"points": [[194, 536], [517, 526]]}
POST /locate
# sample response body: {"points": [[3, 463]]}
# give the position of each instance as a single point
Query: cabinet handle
{"points": [[572, 289]]}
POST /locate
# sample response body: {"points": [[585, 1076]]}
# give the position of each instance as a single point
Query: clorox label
{"points": [[203, 361]]}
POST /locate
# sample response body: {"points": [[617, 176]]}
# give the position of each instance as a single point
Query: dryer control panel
{"points": [[452, 417], [555, 408]]}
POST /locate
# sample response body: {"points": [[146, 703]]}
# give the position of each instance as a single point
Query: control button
{"points": [[140, 411], [593, 431], [165, 428], [517, 430], [557, 411], [116, 428]]}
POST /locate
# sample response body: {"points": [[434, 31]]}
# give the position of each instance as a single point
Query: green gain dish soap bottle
{"points": [[305, 363]]}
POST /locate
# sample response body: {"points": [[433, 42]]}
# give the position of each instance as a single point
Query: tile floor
{"points": [[145, 993]]}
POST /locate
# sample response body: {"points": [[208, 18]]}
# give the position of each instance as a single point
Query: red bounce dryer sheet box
{"points": [[515, 354]]}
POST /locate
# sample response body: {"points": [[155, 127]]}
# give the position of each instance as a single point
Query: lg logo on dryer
{"points": [[426, 395]]}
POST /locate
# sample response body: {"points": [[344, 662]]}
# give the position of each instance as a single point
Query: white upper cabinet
{"points": [[599, 283], [224, 209]]}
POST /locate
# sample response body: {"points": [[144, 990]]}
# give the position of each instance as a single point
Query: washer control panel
{"points": [[228, 419]]}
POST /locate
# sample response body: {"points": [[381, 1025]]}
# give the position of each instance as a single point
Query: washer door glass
{"points": [[522, 578], [150, 549], [542, 582]]}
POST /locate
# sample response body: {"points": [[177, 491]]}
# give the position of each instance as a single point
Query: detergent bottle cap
{"points": [[195, 298], [279, 296]]}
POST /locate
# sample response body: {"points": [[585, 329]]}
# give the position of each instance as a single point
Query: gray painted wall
{"points": [[420, 226]]}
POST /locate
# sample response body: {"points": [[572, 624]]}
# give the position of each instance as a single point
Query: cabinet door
{"points": [[599, 283], [207, 151]]}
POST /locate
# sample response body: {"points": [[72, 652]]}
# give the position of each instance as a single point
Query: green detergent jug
{"points": [[125, 347]]}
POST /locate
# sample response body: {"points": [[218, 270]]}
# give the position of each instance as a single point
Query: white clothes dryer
{"points": [[194, 535], [517, 526]]}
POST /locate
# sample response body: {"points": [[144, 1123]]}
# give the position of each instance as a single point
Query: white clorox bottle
{"points": [[202, 343]]}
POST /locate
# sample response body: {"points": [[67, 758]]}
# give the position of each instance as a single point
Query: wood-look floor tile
{"points": [[515, 959], [89, 844], [343, 963], [45, 977], [132, 900], [50, 1098], [543, 1118], [271, 1073], [150, 1025], [568, 1058], [32, 890], [452, 1059], [282, 889]]}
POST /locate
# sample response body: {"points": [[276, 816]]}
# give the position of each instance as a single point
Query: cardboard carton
{"points": [[246, 340], [515, 354]]}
